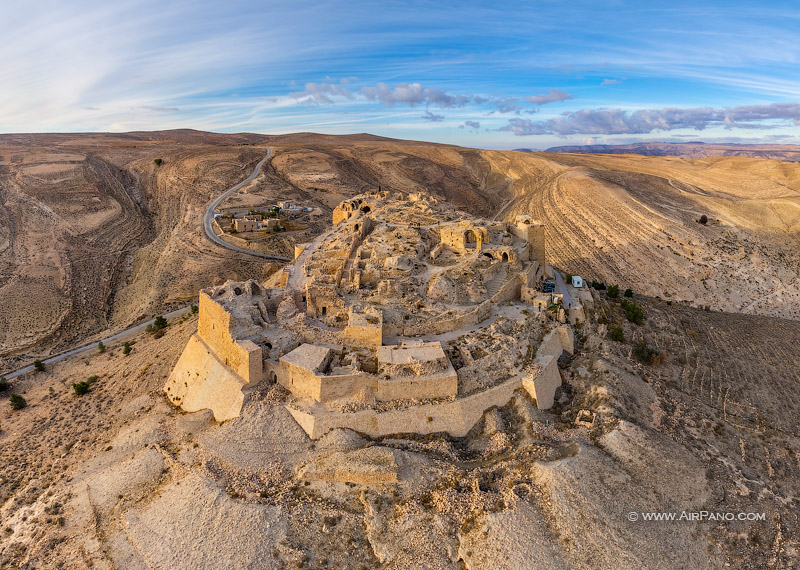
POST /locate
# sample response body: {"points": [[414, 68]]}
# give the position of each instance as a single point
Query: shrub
{"points": [[703, 219], [38, 365], [17, 402], [195, 309], [617, 334], [599, 285], [4, 384], [159, 161], [628, 293], [613, 291], [645, 354], [634, 313], [158, 325], [101, 347], [80, 388], [126, 348]]}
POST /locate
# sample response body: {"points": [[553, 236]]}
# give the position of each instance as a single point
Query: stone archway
{"points": [[505, 256], [470, 240]]}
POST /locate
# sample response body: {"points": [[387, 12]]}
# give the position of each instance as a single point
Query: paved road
{"points": [[123, 335], [561, 287], [208, 219]]}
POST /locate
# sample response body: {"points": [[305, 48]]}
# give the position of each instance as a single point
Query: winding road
{"points": [[122, 335], [208, 219]]}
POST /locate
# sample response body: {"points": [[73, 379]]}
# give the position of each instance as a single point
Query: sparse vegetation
{"points": [[101, 348], [600, 286], [156, 328], [38, 365], [195, 309], [613, 291], [628, 293], [159, 161], [80, 388], [17, 402], [617, 334], [703, 219], [646, 355], [127, 348], [4, 384], [633, 312]]}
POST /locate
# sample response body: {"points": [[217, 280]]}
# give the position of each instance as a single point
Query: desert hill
{"points": [[100, 236], [784, 152], [117, 478], [700, 417]]}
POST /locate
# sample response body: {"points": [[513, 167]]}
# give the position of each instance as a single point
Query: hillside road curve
{"points": [[208, 219]]}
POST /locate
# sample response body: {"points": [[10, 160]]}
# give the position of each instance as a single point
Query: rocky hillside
{"points": [[117, 478]]}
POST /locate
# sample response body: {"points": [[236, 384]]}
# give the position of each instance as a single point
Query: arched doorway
{"points": [[470, 240], [505, 256]]}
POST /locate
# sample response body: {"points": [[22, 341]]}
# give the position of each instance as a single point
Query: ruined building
{"points": [[405, 316]]}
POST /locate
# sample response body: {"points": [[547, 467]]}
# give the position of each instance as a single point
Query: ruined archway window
{"points": [[505, 256], [324, 311], [365, 209]]}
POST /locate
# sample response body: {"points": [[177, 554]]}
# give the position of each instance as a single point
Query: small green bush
{"points": [[628, 293], [4, 384], [80, 388], [17, 402], [159, 161], [613, 291], [126, 348], [195, 309], [633, 313], [101, 347], [38, 365], [645, 354], [157, 326], [599, 285], [617, 334]]}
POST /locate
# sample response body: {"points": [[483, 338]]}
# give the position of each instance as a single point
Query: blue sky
{"points": [[483, 74]]}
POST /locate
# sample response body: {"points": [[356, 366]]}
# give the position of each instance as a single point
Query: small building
{"points": [[246, 225], [577, 282]]}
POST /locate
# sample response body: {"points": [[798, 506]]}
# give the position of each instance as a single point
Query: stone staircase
{"points": [[493, 286]]}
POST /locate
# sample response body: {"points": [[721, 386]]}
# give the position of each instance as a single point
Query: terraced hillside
{"points": [[634, 220]]}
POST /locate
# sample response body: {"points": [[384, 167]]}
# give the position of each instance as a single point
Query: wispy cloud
{"points": [[428, 116], [617, 121], [551, 96]]}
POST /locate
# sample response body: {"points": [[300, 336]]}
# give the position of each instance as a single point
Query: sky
{"points": [[484, 74]]}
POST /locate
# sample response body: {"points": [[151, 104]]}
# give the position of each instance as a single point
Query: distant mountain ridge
{"points": [[784, 152]]}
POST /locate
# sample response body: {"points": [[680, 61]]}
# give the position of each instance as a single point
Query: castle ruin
{"points": [[405, 316]]}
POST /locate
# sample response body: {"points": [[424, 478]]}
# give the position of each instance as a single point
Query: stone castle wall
{"points": [[243, 356]]}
